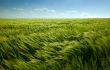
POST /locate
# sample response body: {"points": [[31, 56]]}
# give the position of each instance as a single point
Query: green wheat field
{"points": [[55, 44]]}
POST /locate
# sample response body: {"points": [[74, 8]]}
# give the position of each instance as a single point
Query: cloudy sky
{"points": [[54, 8]]}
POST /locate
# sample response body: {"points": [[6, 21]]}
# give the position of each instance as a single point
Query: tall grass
{"points": [[55, 44]]}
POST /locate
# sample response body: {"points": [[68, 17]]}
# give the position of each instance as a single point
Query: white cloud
{"points": [[72, 11], [19, 9], [51, 11], [14, 8], [40, 9], [87, 15], [22, 12], [84, 14], [45, 13], [44, 10]]}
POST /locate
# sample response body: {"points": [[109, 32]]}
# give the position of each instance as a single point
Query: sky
{"points": [[54, 8]]}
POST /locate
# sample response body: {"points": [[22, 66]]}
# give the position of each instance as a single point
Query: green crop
{"points": [[55, 44]]}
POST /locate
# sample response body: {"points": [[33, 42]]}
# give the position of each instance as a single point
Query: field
{"points": [[55, 44]]}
